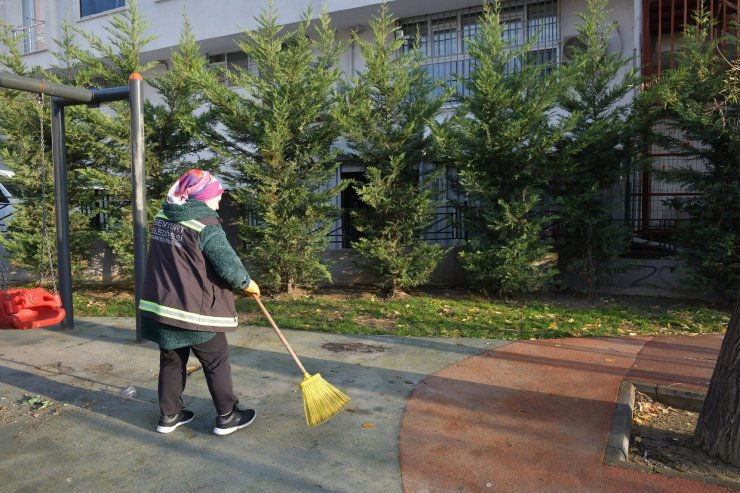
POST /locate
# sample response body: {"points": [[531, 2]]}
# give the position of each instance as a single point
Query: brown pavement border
{"points": [[535, 415], [680, 362]]}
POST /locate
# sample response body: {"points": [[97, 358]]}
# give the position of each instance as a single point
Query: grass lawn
{"points": [[454, 314]]}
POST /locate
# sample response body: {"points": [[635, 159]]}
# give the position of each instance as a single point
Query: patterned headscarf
{"points": [[194, 184]]}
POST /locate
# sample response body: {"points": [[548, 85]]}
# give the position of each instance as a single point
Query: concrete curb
{"points": [[617, 447]]}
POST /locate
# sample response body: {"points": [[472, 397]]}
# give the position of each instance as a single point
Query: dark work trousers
{"points": [[214, 357]]}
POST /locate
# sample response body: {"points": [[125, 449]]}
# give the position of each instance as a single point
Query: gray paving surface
{"points": [[87, 438]]}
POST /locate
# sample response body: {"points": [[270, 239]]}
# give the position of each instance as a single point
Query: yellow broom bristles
{"points": [[321, 400]]}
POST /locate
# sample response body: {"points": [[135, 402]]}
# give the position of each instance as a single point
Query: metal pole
{"points": [[110, 94], [12, 81], [64, 265], [138, 176], [98, 96]]}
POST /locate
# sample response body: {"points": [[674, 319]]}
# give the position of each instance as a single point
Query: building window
{"points": [[92, 7], [444, 38], [229, 63]]}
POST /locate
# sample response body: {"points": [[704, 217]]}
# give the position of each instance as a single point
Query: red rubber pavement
{"points": [[534, 416]]}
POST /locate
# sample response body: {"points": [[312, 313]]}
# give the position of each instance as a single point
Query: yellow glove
{"points": [[252, 289]]}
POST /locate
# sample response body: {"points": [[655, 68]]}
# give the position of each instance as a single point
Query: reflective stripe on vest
{"points": [[182, 315], [190, 223]]}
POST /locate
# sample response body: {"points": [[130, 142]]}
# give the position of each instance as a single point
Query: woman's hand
{"points": [[252, 289]]}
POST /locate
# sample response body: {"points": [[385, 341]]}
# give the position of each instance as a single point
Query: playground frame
{"points": [[61, 97]]}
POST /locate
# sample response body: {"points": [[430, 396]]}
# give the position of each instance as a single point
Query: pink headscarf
{"points": [[194, 184]]}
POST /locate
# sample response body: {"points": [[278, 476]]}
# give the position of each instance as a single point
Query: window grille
{"points": [[98, 211], [444, 38], [229, 63], [664, 22]]}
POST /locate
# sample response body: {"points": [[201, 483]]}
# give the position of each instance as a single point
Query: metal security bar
{"points": [[664, 22], [444, 37], [448, 226], [650, 211], [231, 63]]}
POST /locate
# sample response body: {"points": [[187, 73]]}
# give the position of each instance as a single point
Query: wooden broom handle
{"points": [[279, 333]]}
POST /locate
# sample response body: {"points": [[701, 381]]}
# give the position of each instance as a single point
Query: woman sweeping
{"points": [[187, 302]]}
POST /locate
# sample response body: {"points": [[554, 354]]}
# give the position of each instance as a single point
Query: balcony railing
{"points": [[33, 36]]}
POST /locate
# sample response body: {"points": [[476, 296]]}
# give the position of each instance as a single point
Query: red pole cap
{"points": [[135, 76]]}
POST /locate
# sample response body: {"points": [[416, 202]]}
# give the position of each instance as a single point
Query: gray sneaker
{"points": [[235, 420]]}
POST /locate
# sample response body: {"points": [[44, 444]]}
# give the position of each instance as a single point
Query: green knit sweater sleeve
{"points": [[222, 257]]}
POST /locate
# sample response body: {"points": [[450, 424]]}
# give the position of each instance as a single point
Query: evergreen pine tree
{"points": [[693, 103], [29, 241], [390, 107], [175, 122], [593, 155], [98, 142], [502, 139], [277, 135], [99, 156]]}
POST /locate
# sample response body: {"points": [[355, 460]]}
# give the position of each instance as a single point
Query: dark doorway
{"points": [[351, 202]]}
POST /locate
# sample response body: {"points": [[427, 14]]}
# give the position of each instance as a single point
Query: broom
{"points": [[321, 400]]}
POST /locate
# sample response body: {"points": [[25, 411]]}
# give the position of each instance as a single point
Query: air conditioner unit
{"points": [[576, 42], [573, 44]]}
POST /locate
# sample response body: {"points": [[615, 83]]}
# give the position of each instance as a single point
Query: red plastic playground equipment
{"points": [[30, 309]]}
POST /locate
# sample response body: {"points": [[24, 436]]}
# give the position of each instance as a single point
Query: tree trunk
{"points": [[287, 284], [718, 428], [287, 287]]}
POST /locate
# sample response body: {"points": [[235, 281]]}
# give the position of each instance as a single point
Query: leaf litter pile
{"points": [[662, 438]]}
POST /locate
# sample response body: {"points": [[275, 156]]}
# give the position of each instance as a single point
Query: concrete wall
{"points": [[664, 277], [652, 277], [346, 269]]}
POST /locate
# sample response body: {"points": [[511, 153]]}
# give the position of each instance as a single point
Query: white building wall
{"points": [[217, 25]]}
